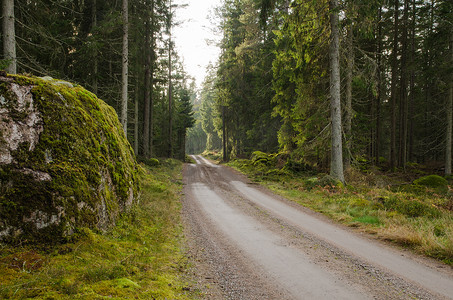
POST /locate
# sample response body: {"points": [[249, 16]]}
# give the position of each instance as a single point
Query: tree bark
{"points": [[394, 89], [146, 118], [136, 117], [151, 104], [449, 115], [9, 36], [411, 101], [403, 88], [348, 114], [224, 138], [125, 65], [170, 92], [380, 91], [336, 164], [151, 84], [95, 54]]}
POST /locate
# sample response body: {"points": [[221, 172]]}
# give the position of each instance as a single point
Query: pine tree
{"points": [[125, 65], [336, 166]]}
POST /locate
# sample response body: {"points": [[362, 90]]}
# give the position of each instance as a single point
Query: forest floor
{"points": [[246, 242], [154, 254], [142, 257]]}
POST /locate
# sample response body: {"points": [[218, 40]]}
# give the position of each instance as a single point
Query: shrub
{"points": [[297, 166]]}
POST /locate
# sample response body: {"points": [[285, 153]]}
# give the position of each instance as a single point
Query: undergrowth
{"points": [[140, 258], [412, 215], [214, 155]]}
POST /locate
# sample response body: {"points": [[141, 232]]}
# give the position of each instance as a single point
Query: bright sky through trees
{"points": [[192, 34]]}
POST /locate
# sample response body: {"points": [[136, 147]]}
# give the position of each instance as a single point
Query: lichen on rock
{"points": [[20, 122], [65, 162]]}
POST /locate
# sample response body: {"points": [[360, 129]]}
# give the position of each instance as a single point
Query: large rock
{"points": [[64, 161]]}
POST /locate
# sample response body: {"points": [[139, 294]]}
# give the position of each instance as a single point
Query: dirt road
{"points": [[247, 243]]}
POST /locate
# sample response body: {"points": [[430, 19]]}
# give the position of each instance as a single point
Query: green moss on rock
{"points": [[65, 162], [433, 181]]}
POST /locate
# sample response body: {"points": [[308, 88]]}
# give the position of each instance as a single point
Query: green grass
{"points": [[408, 215], [140, 258], [365, 219]]}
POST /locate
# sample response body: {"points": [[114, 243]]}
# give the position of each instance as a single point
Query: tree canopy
{"points": [[92, 42], [271, 86]]}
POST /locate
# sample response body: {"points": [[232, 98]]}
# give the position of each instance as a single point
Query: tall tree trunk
{"points": [[411, 101], [125, 66], [224, 138], [95, 52], [170, 92], [403, 88], [336, 164], [449, 115], [380, 91], [9, 36], [151, 104], [151, 84], [348, 114], [394, 88], [146, 117], [137, 96], [428, 82], [183, 145]]}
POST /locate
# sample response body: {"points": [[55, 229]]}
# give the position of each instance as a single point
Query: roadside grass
{"points": [[412, 216], [140, 258]]}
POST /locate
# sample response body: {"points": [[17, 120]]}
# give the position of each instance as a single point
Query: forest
{"points": [[371, 80], [276, 83], [122, 51], [360, 89]]}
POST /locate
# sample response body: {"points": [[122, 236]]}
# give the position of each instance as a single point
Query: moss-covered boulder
{"points": [[433, 181], [65, 162]]}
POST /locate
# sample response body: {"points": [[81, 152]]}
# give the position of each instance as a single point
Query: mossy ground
{"points": [[140, 258], [409, 215]]}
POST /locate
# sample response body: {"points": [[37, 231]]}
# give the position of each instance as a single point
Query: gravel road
{"points": [[244, 242]]}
